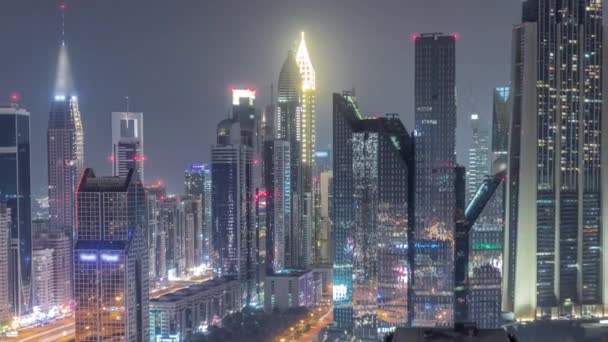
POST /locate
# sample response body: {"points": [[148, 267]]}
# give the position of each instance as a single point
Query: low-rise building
{"points": [[291, 288], [181, 313]]}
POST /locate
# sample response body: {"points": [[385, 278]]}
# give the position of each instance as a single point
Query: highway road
{"points": [[59, 330]]}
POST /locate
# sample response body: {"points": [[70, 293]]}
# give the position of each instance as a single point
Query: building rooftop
{"points": [[192, 290], [449, 335], [91, 183], [289, 273], [100, 245]]}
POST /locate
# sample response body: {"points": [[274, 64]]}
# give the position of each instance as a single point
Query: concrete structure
{"points": [[127, 143], [43, 279], [290, 289], [189, 310], [61, 244]]}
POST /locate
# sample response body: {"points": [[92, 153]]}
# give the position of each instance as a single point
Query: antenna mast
{"points": [[62, 7]]}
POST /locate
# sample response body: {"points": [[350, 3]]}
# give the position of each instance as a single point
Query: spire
{"points": [[63, 79], [307, 71]]}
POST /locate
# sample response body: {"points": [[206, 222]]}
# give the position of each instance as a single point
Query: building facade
{"points": [[127, 143], [553, 259], [479, 156], [435, 116], [15, 191], [61, 245], [235, 238], [43, 279], [5, 253], [291, 289], [198, 183], [111, 259], [65, 144]]}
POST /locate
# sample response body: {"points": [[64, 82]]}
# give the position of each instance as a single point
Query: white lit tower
{"points": [[127, 143]]}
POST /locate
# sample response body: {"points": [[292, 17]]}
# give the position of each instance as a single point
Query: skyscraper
{"points": [[306, 125], [295, 123], [16, 193], [373, 210], [277, 158], [435, 109], [198, 183], [127, 143], [65, 143], [43, 279], [502, 106], [479, 156], [111, 260], [61, 244], [234, 237], [555, 211]]}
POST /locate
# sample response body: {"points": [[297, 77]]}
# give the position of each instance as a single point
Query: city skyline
{"points": [[173, 101]]}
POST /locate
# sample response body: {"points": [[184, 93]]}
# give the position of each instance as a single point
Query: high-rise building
{"points": [[5, 253], [235, 239], [555, 210], [170, 234], [15, 191], [61, 244], [295, 123], [277, 158], [435, 116], [323, 228], [127, 143], [198, 183], [111, 259], [65, 143], [43, 279], [372, 215], [479, 156], [192, 241]]}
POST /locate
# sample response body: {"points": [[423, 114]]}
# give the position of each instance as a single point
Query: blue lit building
{"points": [[16, 193], [111, 259]]}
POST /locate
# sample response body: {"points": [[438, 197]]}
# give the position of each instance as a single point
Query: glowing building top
{"points": [[306, 69], [238, 94]]}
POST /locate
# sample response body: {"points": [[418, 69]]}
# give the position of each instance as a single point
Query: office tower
{"points": [[16, 193], [198, 183], [479, 154], [40, 225], [193, 232], [61, 244], [306, 125], [484, 302], [435, 116], [234, 236], [323, 160], [111, 260], [127, 143], [43, 279], [155, 193], [372, 213], [5, 253], [277, 159], [170, 233], [555, 215], [65, 143]]}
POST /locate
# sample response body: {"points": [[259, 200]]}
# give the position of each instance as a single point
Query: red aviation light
{"points": [[14, 97], [111, 158], [456, 36], [62, 7], [414, 37]]}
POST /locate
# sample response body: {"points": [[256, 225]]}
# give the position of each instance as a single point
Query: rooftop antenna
{"points": [[127, 103], [62, 8], [272, 94]]}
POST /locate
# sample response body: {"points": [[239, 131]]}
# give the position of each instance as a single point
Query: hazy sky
{"points": [[178, 59]]}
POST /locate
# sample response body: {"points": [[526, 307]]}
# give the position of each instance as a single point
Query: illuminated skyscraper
{"points": [[502, 107], [277, 158], [435, 106], [61, 244], [373, 210], [556, 213], [198, 183], [65, 143], [16, 193], [43, 279], [235, 239], [479, 156], [127, 143], [111, 260]]}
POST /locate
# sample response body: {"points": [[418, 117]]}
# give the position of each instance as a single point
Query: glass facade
{"points": [[16, 193], [435, 116]]}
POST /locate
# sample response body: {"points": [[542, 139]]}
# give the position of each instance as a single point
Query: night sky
{"points": [[178, 59]]}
